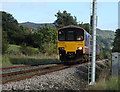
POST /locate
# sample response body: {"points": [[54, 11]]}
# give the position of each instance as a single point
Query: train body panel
{"points": [[71, 46]]}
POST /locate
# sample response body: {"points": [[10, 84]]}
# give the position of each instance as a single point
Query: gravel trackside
{"points": [[74, 78]]}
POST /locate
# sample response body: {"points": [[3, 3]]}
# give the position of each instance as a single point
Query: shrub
{"points": [[49, 48], [6, 61], [28, 50], [5, 46], [5, 43], [13, 50]]}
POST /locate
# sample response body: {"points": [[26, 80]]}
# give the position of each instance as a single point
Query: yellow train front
{"points": [[73, 42]]}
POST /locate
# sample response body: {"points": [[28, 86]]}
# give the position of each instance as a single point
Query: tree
{"points": [[16, 34], [9, 25], [116, 43], [64, 19], [86, 26], [45, 36]]}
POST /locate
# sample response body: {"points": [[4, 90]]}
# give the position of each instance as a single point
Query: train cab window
{"points": [[61, 35], [70, 35], [79, 35]]}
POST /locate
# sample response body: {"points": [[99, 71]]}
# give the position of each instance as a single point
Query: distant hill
{"points": [[105, 38], [35, 25], [105, 33]]}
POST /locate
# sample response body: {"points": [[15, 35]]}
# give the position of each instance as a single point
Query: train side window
{"points": [[86, 39]]}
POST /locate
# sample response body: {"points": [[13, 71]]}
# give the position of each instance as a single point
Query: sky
{"points": [[119, 15], [44, 12]]}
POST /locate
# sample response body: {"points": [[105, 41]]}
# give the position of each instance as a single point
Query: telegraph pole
{"points": [[94, 24]]}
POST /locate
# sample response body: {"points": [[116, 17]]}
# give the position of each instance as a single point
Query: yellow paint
{"points": [[71, 46]]}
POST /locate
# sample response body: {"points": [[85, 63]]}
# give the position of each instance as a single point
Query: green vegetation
{"points": [[29, 50], [0, 60], [105, 81], [28, 60], [4, 42], [64, 19], [21, 50], [105, 39], [27, 39], [26, 55], [116, 43], [5, 61], [23, 41], [110, 84]]}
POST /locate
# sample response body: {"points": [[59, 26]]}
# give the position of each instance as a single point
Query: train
{"points": [[74, 43]]}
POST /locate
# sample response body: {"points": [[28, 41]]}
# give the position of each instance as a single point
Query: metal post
{"points": [[94, 8]]}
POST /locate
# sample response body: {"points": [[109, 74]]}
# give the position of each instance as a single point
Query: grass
{"points": [[28, 60], [20, 50], [26, 55], [0, 60], [5, 61], [111, 84], [105, 81], [13, 47]]}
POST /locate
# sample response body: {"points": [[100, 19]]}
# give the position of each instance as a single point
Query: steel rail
{"points": [[59, 67], [27, 71], [37, 74]]}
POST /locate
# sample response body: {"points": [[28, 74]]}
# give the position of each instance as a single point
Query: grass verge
{"points": [[105, 81], [28, 60], [5, 61]]}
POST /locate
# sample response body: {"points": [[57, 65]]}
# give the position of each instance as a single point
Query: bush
{"points": [[14, 50], [6, 61], [5, 46], [5, 43], [49, 48], [28, 50]]}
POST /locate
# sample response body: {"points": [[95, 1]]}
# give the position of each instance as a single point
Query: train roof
{"points": [[72, 26]]}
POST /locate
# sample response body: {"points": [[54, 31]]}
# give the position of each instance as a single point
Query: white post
{"points": [[94, 8]]}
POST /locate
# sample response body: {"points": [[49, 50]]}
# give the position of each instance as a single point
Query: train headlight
{"points": [[80, 48], [61, 48]]}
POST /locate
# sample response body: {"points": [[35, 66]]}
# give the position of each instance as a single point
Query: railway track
{"points": [[25, 74], [22, 66]]}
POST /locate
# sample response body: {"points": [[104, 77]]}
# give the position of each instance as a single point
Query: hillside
{"points": [[105, 38], [35, 25]]}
